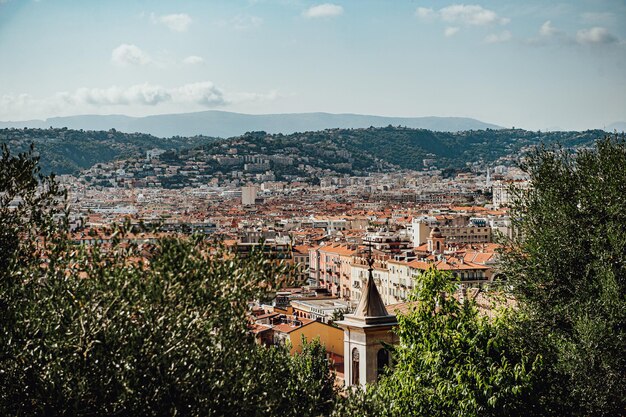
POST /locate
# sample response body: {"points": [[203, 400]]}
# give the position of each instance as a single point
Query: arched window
{"points": [[438, 246], [382, 360], [355, 367]]}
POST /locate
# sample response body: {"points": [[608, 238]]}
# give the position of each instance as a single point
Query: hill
{"points": [[331, 151], [407, 148], [66, 151], [227, 124]]}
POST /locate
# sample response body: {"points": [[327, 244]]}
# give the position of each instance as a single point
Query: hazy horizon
{"points": [[535, 65]]}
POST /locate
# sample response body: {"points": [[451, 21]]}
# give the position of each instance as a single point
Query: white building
{"points": [[359, 275], [421, 227], [501, 191], [461, 229], [401, 281], [153, 153], [248, 195]]}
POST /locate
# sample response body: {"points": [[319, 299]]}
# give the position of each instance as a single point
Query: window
{"points": [[382, 360], [355, 367]]}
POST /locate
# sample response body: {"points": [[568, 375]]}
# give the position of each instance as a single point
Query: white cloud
{"points": [[547, 29], [549, 34], [133, 99], [20, 100], [178, 22], [424, 12], [193, 59], [24, 106], [128, 54], [204, 93], [503, 36], [450, 31], [471, 15], [595, 35], [143, 94], [241, 22], [323, 10]]}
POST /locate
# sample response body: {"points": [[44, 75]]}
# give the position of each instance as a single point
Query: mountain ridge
{"points": [[224, 124], [617, 126]]}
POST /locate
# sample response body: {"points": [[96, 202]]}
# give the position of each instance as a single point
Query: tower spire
{"points": [[370, 304], [365, 331]]}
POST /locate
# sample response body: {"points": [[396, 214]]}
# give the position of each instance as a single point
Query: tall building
{"points": [[248, 195]]}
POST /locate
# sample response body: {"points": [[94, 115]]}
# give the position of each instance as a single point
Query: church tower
{"points": [[364, 331], [436, 241]]}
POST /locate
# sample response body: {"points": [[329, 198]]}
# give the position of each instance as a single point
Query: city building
{"points": [[248, 195]]}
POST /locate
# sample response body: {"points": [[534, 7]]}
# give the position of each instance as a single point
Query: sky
{"points": [[529, 64]]}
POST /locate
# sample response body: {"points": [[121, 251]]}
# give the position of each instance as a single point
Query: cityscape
{"points": [[369, 210]]}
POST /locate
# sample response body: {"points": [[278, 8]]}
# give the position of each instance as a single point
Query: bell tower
{"points": [[364, 331], [436, 241]]}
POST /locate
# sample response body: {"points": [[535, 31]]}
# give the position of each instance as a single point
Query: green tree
{"points": [[450, 361], [30, 210], [339, 315], [129, 328], [567, 268]]}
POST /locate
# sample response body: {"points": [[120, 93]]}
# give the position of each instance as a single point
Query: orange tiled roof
{"points": [[449, 263], [303, 249], [339, 250], [256, 328], [288, 327]]}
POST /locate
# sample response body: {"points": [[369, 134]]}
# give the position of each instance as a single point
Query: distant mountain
{"points": [[226, 124], [617, 126]]}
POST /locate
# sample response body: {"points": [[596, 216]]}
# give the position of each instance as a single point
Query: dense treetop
{"points": [[567, 267]]}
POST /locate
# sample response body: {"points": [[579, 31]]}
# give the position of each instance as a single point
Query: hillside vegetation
{"points": [[66, 151]]}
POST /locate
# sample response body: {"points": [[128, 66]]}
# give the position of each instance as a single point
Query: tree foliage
{"points": [[132, 328], [450, 361], [29, 202], [567, 267]]}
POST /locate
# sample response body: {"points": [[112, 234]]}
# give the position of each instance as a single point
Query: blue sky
{"points": [[530, 64]]}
